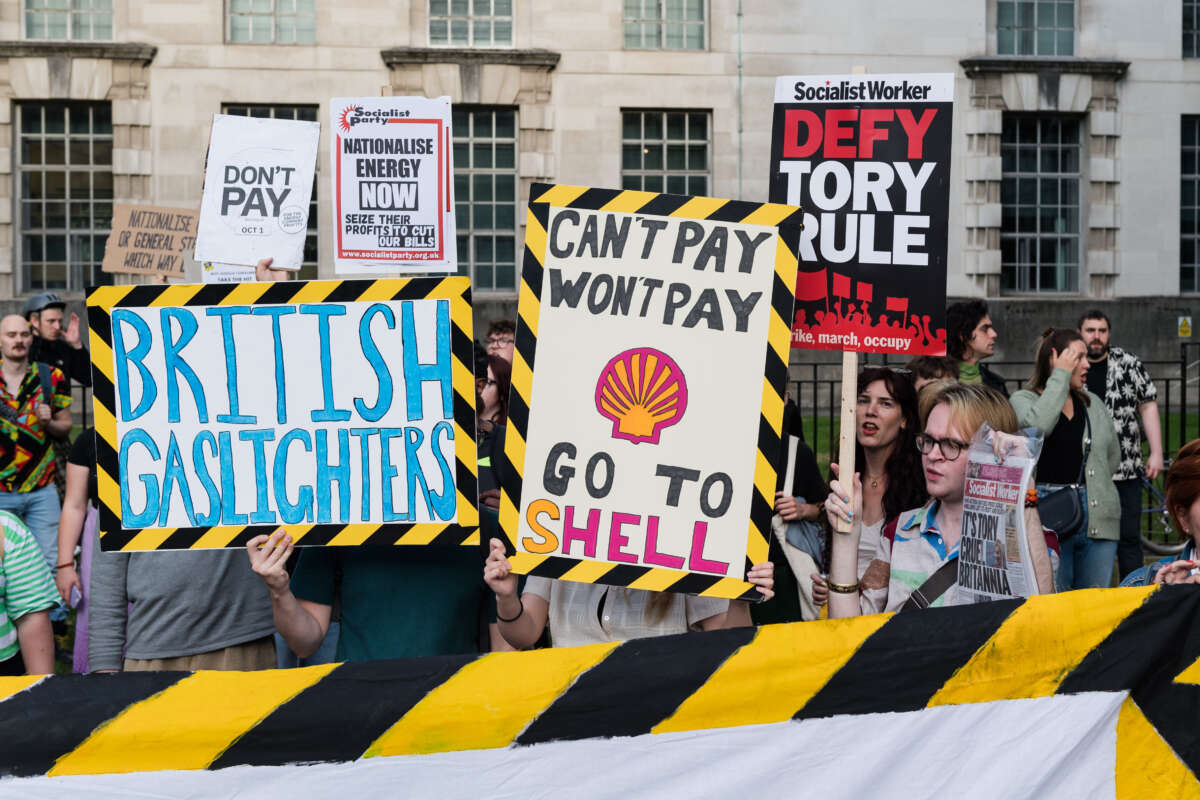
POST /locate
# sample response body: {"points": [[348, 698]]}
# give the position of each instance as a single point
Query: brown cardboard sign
{"points": [[150, 240]]}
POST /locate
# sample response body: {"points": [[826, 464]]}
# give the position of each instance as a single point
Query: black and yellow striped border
{"points": [[788, 220], [456, 290], [1144, 643]]}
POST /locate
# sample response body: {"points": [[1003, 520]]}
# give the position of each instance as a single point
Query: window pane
{"points": [[1039, 193], [487, 218], [665, 151], [665, 24]]}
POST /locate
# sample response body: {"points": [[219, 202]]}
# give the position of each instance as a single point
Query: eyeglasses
{"points": [[497, 341], [951, 448]]}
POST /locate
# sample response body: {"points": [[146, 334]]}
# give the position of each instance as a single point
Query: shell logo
{"points": [[642, 391]]}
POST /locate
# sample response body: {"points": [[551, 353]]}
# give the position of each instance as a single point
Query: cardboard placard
{"points": [[149, 240], [257, 187], [225, 413], [868, 158], [642, 446], [393, 187]]}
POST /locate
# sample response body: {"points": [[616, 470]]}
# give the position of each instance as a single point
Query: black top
{"points": [[75, 364], [83, 454], [1062, 451], [991, 379], [806, 480], [1097, 377]]}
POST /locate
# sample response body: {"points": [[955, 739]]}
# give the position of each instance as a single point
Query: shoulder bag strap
{"points": [[1087, 448], [934, 587], [43, 370]]}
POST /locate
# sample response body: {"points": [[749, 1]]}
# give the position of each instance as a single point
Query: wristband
{"points": [[842, 588], [512, 619], [70, 563]]}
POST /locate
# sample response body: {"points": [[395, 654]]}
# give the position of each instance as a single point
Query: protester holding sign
{"points": [[1081, 450], [1182, 491], [885, 432], [397, 602], [916, 564], [589, 613]]}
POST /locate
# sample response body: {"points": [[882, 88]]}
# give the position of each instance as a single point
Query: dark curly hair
{"points": [[961, 319], [905, 476]]}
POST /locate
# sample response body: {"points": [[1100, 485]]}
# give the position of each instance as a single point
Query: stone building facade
{"points": [[112, 100]]}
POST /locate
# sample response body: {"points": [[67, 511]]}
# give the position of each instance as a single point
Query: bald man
{"points": [[35, 410]]}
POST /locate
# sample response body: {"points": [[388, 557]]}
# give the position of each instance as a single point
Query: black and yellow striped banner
{"points": [[1142, 642], [456, 290], [788, 220]]}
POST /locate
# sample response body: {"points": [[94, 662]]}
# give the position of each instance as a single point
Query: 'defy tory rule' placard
{"points": [[647, 393], [343, 410], [868, 158], [257, 187], [393, 203]]}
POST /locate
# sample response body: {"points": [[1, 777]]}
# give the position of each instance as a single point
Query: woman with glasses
{"points": [[918, 548], [1080, 442], [886, 425]]}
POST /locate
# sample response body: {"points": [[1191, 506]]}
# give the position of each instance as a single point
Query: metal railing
{"points": [[816, 388]]}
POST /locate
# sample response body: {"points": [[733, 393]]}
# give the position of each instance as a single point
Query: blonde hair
{"points": [[971, 405], [927, 395]]}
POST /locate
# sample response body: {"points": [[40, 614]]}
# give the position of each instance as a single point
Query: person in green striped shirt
{"points": [[27, 593]]}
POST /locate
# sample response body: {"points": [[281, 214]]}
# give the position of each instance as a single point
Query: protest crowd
{"points": [[893, 547]]}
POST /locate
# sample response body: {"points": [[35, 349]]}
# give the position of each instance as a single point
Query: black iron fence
{"points": [[817, 387]]}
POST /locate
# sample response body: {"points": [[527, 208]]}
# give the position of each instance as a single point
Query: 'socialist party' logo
{"points": [[642, 391], [357, 115]]}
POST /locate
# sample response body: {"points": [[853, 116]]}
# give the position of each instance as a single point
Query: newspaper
{"points": [[994, 561]]}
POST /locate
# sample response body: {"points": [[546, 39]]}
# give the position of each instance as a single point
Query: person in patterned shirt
{"points": [[1128, 391], [29, 422]]}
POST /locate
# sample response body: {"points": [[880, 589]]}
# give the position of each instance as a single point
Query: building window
{"points": [[1191, 28], [308, 269], [485, 196], [664, 24], [65, 194], [271, 21], [665, 151], [1039, 194], [1044, 28], [1189, 206], [471, 23], [81, 20]]}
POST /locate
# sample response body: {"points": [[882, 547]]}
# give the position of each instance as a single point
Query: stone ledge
{"points": [[401, 56], [1102, 67], [122, 51]]}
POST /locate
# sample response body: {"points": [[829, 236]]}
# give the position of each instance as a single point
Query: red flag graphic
{"points": [[864, 291], [810, 285], [897, 304], [841, 285]]}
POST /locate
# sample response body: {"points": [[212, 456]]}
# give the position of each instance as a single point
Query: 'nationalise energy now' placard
{"points": [[341, 407], [393, 193], [643, 443]]}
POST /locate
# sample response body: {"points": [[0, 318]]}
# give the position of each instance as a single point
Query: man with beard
{"points": [[1122, 380], [34, 411], [52, 343]]}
